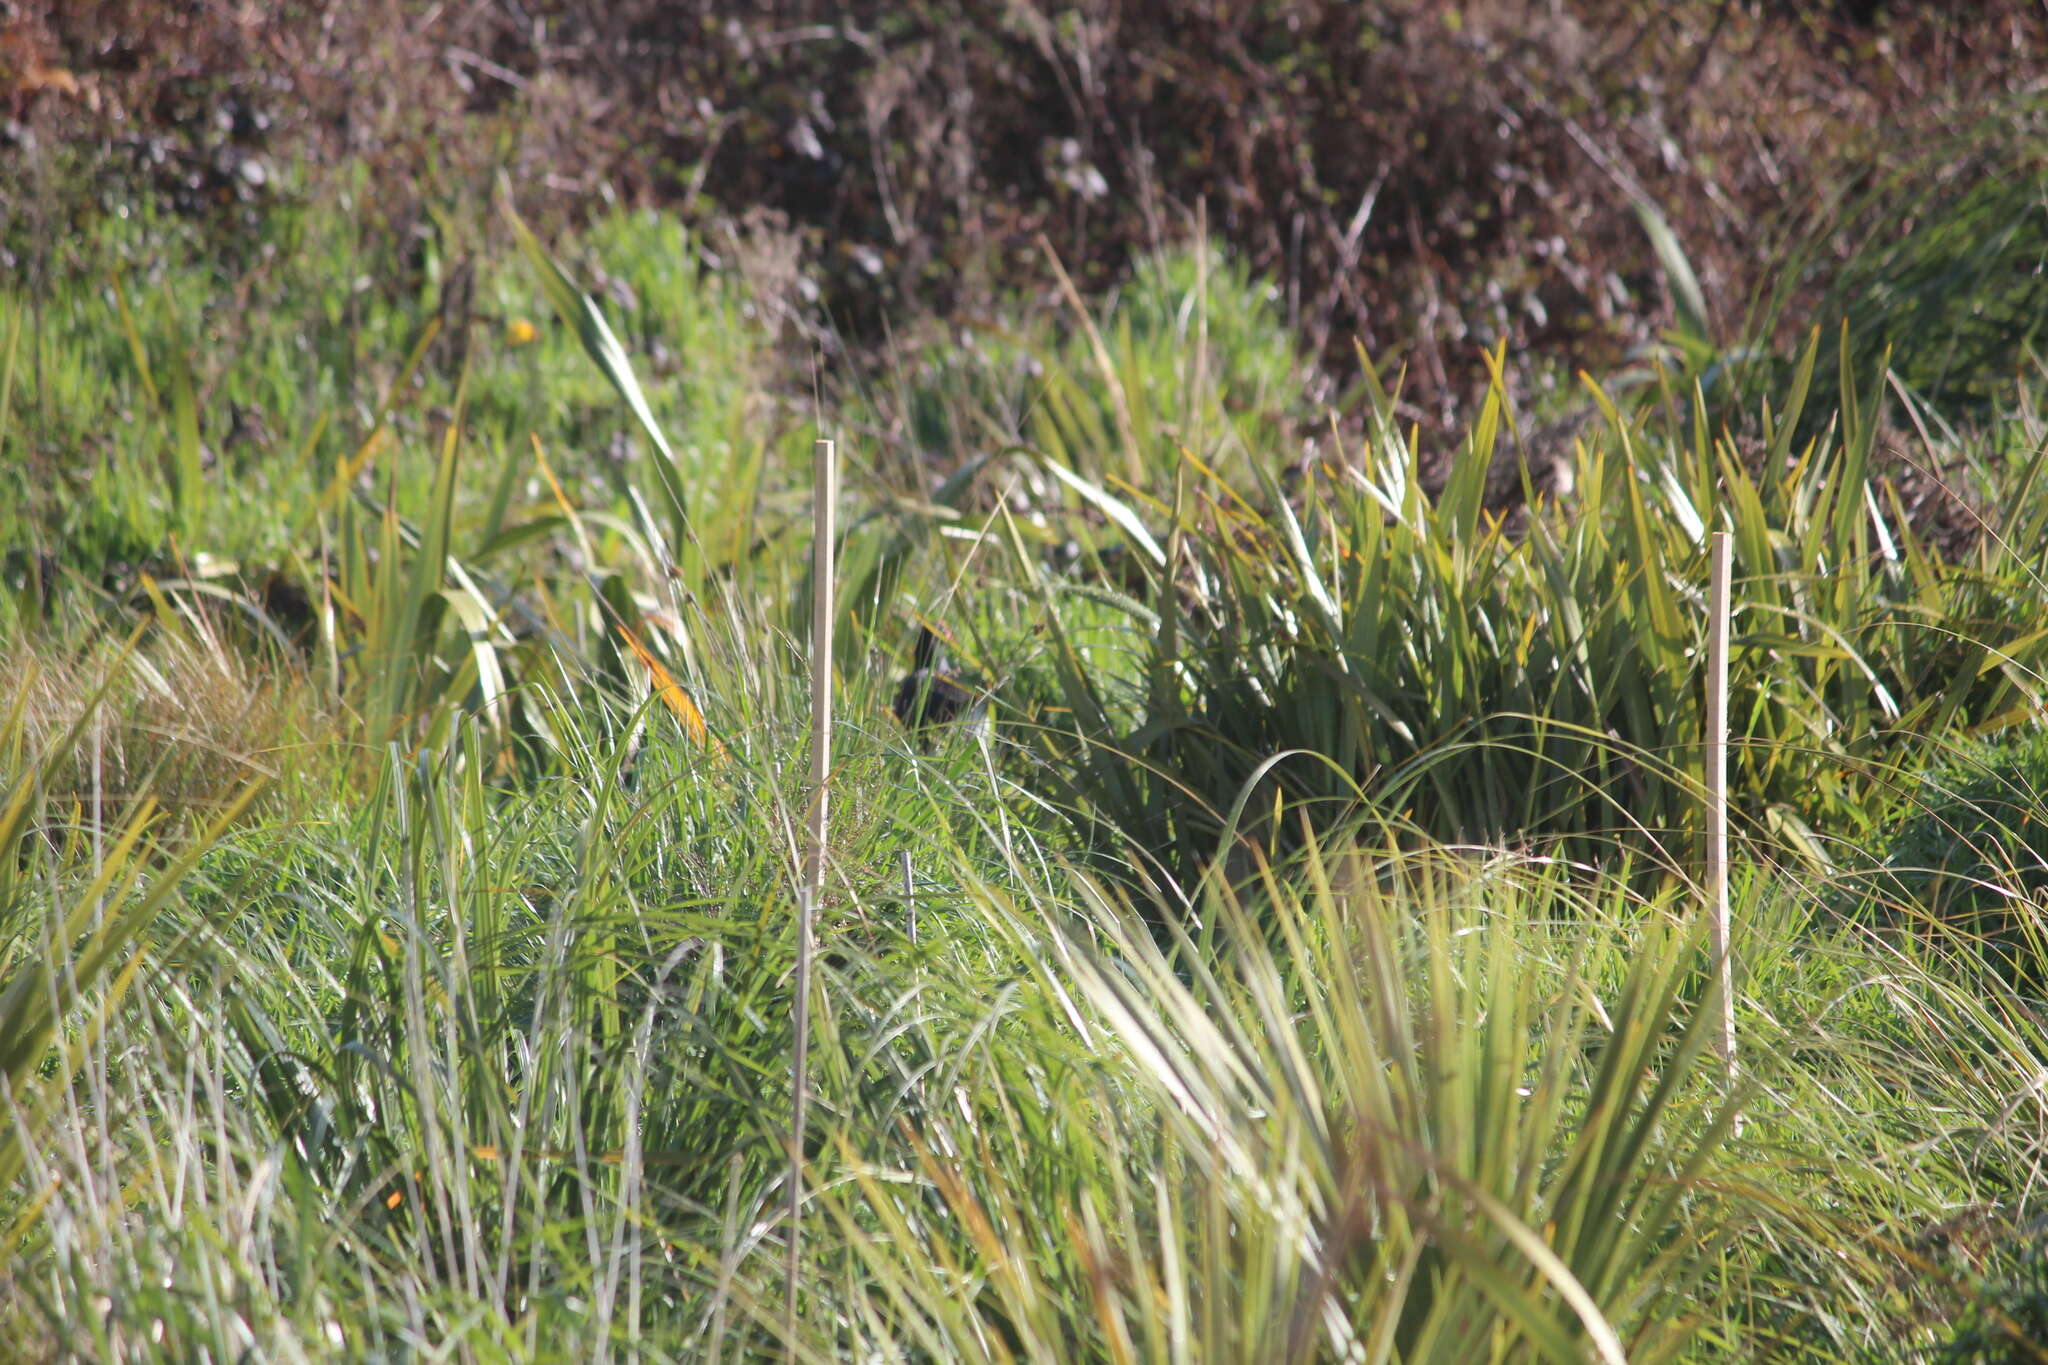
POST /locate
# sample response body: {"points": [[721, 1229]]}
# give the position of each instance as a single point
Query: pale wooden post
{"points": [[825, 483], [909, 895], [1717, 796]]}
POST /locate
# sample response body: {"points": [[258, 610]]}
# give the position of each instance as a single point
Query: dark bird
{"points": [[933, 694]]}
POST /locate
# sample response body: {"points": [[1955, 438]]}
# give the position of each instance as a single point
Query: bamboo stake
{"points": [[825, 483], [1717, 796]]}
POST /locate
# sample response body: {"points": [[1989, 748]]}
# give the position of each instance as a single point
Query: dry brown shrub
{"points": [[1425, 178]]}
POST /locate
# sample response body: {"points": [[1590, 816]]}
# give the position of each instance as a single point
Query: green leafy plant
{"points": [[1362, 642]]}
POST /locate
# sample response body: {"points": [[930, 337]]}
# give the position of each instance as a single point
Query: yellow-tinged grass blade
{"points": [[672, 695]]}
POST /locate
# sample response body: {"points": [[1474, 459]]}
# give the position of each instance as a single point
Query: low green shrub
{"points": [[2008, 1325]]}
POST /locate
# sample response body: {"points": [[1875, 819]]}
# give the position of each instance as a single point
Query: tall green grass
{"points": [[1307, 968], [501, 1071]]}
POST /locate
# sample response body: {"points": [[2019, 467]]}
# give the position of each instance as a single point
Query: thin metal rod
{"points": [[825, 484], [1717, 796]]}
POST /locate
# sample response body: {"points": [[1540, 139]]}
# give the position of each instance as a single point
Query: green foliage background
{"points": [[406, 611]]}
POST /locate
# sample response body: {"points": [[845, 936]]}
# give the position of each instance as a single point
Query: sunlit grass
{"points": [[1305, 968]]}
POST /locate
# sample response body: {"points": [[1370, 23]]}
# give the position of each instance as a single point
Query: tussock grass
{"points": [[182, 719]]}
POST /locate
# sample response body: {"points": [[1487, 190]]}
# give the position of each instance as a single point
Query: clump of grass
{"points": [[1389, 1105], [1969, 849], [183, 718], [516, 1055], [158, 405]]}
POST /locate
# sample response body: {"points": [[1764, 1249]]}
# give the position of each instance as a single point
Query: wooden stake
{"points": [[825, 484], [909, 896], [1717, 796]]}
